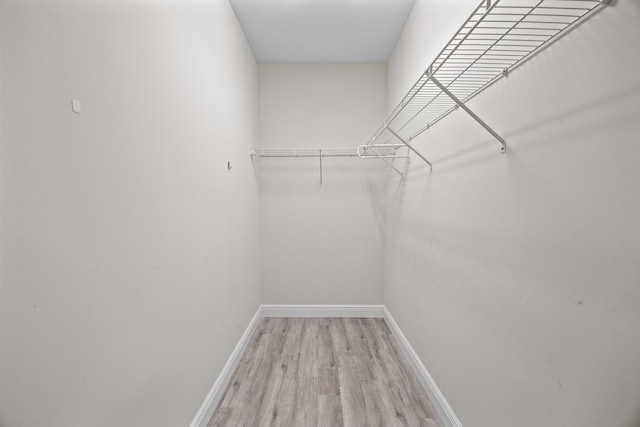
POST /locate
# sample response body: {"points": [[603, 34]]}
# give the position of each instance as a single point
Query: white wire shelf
{"points": [[330, 161], [498, 36], [380, 151]]}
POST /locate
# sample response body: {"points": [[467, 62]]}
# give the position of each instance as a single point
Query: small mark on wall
{"points": [[76, 107], [579, 302]]}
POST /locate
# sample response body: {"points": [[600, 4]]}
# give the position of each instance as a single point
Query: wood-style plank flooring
{"points": [[324, 372]]}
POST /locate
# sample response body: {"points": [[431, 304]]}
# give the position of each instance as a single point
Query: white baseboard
{"points": [[365, 311], [205, 413], [359, 311], [437, 398]]}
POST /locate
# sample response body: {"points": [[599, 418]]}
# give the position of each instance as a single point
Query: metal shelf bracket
{"points": [[410, 148], [503, 144]]}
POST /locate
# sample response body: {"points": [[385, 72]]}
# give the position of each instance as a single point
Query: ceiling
{"points": [[322, 30]]}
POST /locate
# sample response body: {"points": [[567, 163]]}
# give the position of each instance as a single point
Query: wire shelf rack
{"points": [[388, 151], [325, 164], [498, 36]]}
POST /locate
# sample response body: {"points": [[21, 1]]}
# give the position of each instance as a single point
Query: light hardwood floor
{"points": [[324, 372]]}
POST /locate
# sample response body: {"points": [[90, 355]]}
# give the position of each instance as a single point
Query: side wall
{"points": [[1, 13], [1, 55], [131, 261], [322, 243], [515, 277]]}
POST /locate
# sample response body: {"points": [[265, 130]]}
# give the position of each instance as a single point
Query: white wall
{"points": [[516, 276], [322, 244], [131, 259], [0, 196]]}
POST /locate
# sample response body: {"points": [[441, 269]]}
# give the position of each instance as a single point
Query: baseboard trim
{"points": [[437, 398], [365, 311], [216, 393]]}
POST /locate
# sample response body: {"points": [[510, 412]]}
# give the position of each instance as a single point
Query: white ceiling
{"points": [[322, 30]]}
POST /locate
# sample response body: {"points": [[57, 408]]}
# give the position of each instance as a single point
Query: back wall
{"points": [[321, 242]]}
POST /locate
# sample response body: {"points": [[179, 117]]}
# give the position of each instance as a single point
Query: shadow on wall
{"points": [[635, 422], [635, 419], [477, 153], [382, 185], [567, 128]]}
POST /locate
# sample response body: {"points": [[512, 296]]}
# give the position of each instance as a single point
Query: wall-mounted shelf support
{"points": [[363, 149], [410, 147], [503, 144]]}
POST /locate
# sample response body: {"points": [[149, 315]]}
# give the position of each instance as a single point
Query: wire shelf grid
{"points": [[328, 165], [498, 36]]}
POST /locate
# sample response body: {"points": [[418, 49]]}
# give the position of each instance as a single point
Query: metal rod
{"points": [[471, 113], [411, 148], [387, 162], [320, 157], [361, 149], [302, 156]]}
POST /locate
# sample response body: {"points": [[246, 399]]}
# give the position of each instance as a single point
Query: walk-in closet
{"points": [[319, 213]]}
